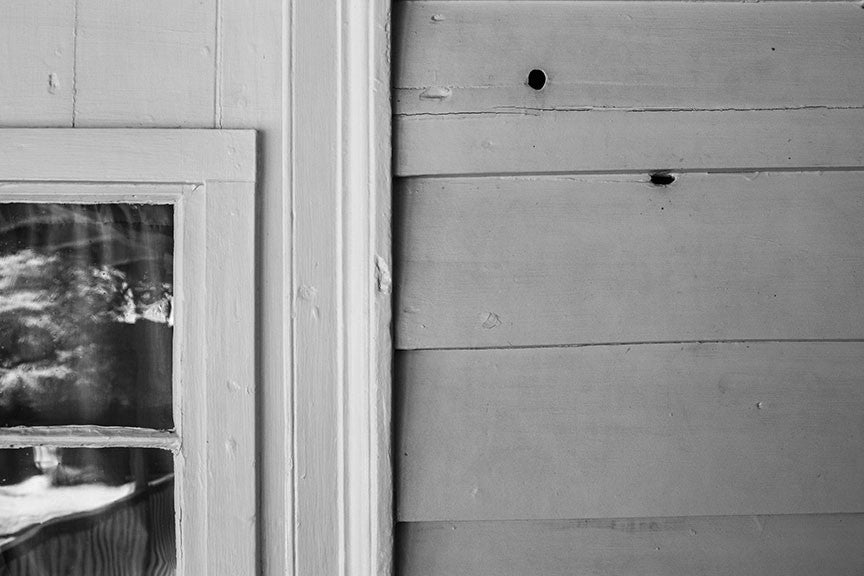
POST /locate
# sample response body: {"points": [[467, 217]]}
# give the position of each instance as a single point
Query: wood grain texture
{"points": [[36, 63], [525, 261], [316, 323], [230, 407], [630, 431], [106, 155], [612, 141], [84, 193], [400, 2], [469, 57], [145, 63], [249, 95], [215, 303], [820, 545]]}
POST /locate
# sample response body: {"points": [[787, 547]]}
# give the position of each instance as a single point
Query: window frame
{"points": [[336, 102], [209, 176]]}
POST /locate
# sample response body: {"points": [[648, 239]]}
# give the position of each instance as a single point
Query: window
{"points": [[127, 398]]}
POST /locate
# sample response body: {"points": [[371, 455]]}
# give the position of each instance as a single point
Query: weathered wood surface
{"points": [[611, 141], [145, 63], [105, 155], [820, 545], [217, 386], [474, 57], [230, 340], [630, 431], [36, 63], [249, 95], [400, 2], [524, 261]]}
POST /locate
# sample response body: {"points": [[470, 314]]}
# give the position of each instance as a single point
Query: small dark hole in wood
{"points": [[662, 179], [537, 79]]}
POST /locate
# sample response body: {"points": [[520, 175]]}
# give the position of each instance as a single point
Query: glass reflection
{"points": [[86, 314], [87, 511]]}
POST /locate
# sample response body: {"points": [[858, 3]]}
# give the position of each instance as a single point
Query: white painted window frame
{"points": [[325, 451], [209, 176], [337, 109]]}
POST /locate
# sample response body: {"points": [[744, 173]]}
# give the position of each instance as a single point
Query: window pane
{"points": [[86, 315], [87, 511]]}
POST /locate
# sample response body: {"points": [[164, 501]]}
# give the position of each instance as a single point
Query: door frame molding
{"points": [[336, 102]]}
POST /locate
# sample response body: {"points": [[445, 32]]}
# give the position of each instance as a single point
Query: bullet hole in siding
{"points": [[662, 179], [537, 79]]}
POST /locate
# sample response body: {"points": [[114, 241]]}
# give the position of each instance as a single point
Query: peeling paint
{"points": [[436, 93], [307, 292], [492, 321], [383, 275]]}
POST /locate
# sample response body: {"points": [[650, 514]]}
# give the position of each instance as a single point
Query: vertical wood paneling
{"points": [[216, 464], [191, 465], [316, 294], [177, 63], [249, 80], [231, 367], [36, 63], [148, 63]]}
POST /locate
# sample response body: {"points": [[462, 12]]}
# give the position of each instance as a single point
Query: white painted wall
{"points": [[176, 64], [313, 79]]}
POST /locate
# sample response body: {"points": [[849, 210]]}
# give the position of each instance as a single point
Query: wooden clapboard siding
{"points": [[145, 63], [528, 261], [822, 545], [36, 62], [606, 141], [456, 57], [400, 2], [631, 431], [526, 227]]}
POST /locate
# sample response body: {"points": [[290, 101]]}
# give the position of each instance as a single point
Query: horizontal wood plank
{"points": [[528, 261], [36, 62], [13, 192], [106, 155], [400, 2], [617, 141], [630, 431], [454, 57], [823, 545], [149, 63]]}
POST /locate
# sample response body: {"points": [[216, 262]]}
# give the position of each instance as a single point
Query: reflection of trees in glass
{"points": [[85, 314]]}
